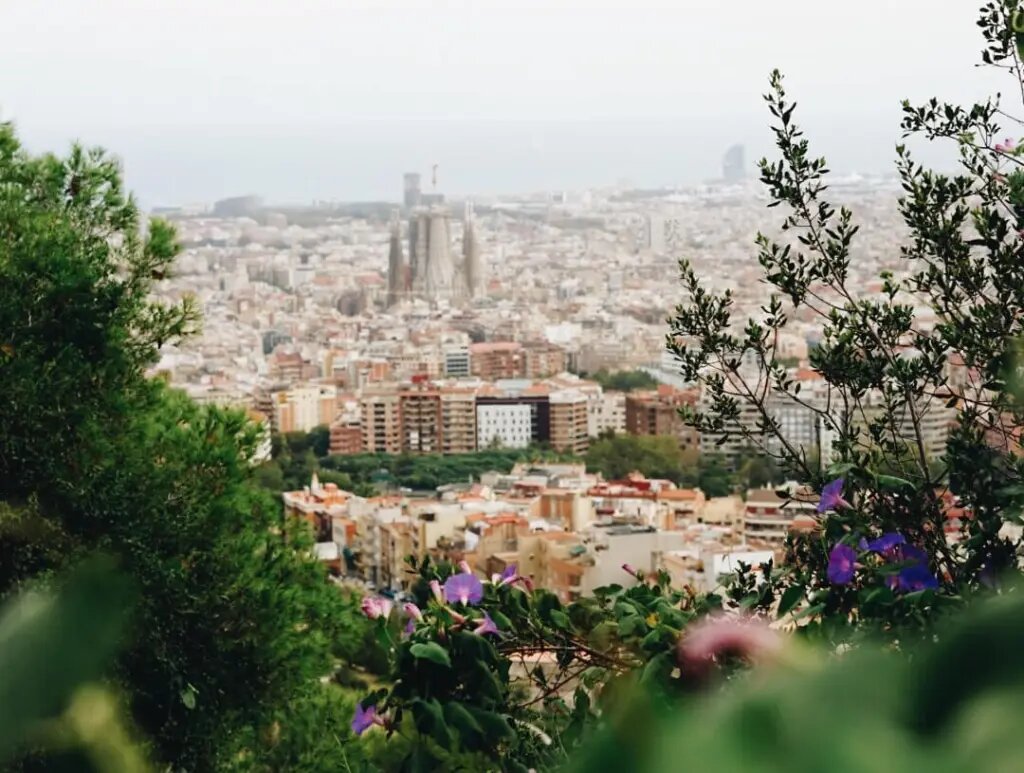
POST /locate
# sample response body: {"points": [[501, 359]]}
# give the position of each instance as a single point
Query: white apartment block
{"points": [[506, 425]]}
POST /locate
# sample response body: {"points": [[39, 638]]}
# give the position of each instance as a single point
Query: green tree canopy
{"points": [[233, 621]]}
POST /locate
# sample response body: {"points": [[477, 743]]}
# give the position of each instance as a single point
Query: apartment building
{"points": [[496, 360], [381, 421], [302, 408], [656, 412], [569, 430], [458, 421]]}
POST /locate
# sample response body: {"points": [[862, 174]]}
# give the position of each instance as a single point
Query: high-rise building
{"points": [[420, 412], [381, 421], [569, 431], [397, 273], [412, 189], [458, 421], [734, 165], [472, 265]]}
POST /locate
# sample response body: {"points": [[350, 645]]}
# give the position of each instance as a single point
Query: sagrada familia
{"points": [[432, 273]]}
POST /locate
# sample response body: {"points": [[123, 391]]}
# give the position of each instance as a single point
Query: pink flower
{"points": [[1006, 146], [628, 569], [412, 610], [716, 638], [527, 583], [486, 626], [464, 567], [435, 588], [375, 606]]}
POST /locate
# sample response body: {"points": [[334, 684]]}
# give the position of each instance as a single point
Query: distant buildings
{"points": [[432, 273], [734, 165], [657, 413]]}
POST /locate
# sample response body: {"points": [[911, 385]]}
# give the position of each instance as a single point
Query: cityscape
{"points": [[431, 326], [571, 387]]}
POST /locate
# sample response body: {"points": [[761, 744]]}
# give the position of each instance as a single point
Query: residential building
{"points": [[381, 421], [504, 425], [496, 360], [302, 408], [769, 518], [657, 413], [458, 421], [569, 432]]}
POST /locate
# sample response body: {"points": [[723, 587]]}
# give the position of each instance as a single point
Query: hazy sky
{"points": [[299, 99]]}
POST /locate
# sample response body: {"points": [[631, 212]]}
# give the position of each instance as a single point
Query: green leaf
{"points": [[50, 644], [560, 619], [892, 483], [460, 718], [494, 726], [431, 651], [188, 697], [790, 598]]}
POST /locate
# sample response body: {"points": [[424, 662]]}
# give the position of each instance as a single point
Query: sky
{"points": [[308, 99]]}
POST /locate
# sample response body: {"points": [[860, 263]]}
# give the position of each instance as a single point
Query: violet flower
{"points": [[410, 626], [841, 564], [486, 626], [509, 575], [886, 544], [832, 496], [463, 588], [365, 718], [916, 576]]}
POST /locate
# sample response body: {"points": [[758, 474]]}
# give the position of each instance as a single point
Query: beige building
{"points": [[569, 421], [381, 421], [302, 408], [458, 421]]}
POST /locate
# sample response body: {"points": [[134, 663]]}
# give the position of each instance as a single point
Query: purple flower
{"points": [[509, 575], [364, 719], [374, 607], [463, 588], [887, 543], [916, 575], [412, 611], [486, 626], [832, 496], [410, 626], [841, 564]]}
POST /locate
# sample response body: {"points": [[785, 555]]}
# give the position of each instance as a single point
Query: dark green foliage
{"points": [[233, 619], [624, 380]]}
